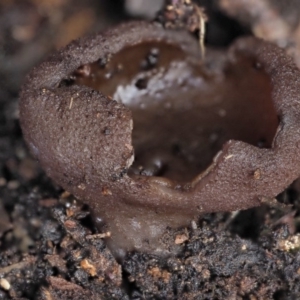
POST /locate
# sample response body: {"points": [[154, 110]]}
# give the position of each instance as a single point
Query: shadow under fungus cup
{"points": [[134, 124]]}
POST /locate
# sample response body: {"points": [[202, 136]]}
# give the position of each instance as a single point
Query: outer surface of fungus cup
{"points": [[132, 123]]}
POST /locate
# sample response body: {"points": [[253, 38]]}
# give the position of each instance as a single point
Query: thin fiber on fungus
{"points": [[135, 125]]}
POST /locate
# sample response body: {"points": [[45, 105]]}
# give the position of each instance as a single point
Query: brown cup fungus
{"points": [[135, 125]]}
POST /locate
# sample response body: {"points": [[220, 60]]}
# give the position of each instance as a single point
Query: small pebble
{"points": [[2, 181], [13, 185], [4, 284]]}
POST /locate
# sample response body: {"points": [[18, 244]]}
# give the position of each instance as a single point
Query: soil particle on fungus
{"points": [[182, 14]]}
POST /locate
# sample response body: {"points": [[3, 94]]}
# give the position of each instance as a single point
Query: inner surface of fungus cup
{"points": [[135, 125]]}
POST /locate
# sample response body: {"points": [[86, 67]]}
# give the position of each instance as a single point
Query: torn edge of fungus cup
{"points": [[134, 124]]}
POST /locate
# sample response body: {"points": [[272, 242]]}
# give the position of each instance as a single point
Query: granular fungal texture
{"points": [[136, 126]]}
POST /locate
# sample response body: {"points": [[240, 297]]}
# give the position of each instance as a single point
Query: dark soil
{"points": [[49, 247]]}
